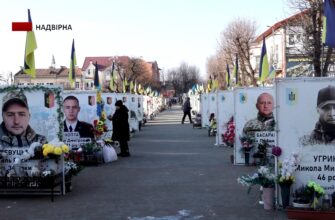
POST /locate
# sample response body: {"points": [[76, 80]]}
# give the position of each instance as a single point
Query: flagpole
{"points": [[322, 63]]}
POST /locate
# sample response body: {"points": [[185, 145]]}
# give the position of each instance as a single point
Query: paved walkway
{"points": [[175, 173]]}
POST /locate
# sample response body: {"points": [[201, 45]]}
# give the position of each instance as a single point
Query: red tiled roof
{"points": [[104, 62], [279, 24], [63, 71]]}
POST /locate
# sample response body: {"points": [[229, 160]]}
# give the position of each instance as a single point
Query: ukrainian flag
{"points": [[111, 82], [29, 58], [272, 73], [73, 63], [328, 34], [235, 70], [228, 77], [264, 64]]}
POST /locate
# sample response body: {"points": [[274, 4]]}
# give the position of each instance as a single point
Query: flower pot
{"points": [[285, 194], [268, 198], [301, 205], [246, 157]]}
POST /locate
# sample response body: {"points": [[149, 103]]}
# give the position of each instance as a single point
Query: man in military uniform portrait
{"points": [[71, 123], [324, 130], [265, 120], [15, 130]]}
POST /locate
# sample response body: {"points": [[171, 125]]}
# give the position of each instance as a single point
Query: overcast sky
{"points": [[168, 31]]}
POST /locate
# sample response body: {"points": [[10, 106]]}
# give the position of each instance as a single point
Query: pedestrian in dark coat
{"points": [[121, 128], [187, 110]]}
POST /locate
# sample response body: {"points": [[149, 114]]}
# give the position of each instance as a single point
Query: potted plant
{"points": [[301, 198], [265, 178], [316, 191], [285, 177]]}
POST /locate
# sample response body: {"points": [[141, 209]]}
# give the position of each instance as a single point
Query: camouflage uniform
{"points": [[260, 123], [29, 137]]}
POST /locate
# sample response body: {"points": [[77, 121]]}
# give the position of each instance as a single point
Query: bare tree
{"points": [[183, 77], [311, 23], [133, 69], [236, 39]]}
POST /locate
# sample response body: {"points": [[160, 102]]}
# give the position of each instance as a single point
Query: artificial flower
{"points": [[57, 151]]}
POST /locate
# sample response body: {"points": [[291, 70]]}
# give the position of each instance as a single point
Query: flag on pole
{"points": [[131, 87], [73, 63], [235, 70], [124, 85], [228, 77], [328, 34], [135, 87], [264, 64], [140, 90], [215, 84], [272, 73], [96, 76], [111, 82], [29, 58], [209, 84]]}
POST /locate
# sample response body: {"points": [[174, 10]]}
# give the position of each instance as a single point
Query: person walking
{"points": [[121, 128], [187, 110]]}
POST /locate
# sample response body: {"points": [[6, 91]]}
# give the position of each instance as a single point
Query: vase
{"points": [[268, 198], [285, 194], [246, 157]]}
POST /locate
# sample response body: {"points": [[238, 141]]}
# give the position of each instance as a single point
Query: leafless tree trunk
{"points": [[236, 39]]}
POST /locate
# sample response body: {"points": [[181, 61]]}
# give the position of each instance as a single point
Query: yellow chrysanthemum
{"points": [[65, 148], [47, 150], [45, 146], [103, 115], [100, 123], [58, 151]]}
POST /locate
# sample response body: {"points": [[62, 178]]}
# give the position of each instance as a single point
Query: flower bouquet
{"points": [[99, 125], [228, 137], [247, 145], [287, 168], [286, 178], [54, 148], [263, 177], [315, 191]]}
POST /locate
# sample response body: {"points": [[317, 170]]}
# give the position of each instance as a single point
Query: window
{"points": [[89, 72], [291, 39], [77, 85]]}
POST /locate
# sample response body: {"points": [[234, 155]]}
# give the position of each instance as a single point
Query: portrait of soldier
{"points": [[324, 130], [71, 110], [15, 130], [265, 120]]}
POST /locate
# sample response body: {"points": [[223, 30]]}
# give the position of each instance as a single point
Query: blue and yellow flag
{"points": [[235, 70], [264, 64], [215, 84], [111, 82], [209, 84], [73, 63], [328, 34], [272, 73], [228, 77], [29, 58], [131, 87], [135, 87], [96, 77]]}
